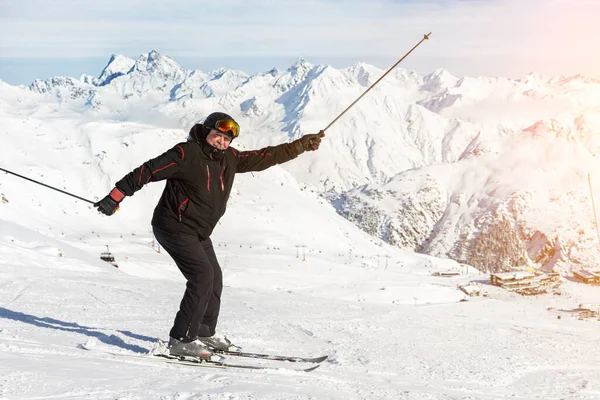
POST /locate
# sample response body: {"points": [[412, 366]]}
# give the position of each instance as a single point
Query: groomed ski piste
{"points": [[391, 330]]}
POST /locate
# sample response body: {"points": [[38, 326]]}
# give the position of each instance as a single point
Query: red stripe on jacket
{"points": [[182, 152], [254, 153], [140, 178], [208, 178]]}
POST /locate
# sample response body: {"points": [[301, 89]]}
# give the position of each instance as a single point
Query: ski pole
{"points": [[425, 37], [594, 207], [48, 186]]}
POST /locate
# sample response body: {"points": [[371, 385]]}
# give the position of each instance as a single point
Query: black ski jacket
{"points": [[199, 180]]}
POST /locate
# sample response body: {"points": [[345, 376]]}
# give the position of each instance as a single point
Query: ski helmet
{"points": [[211, 123]]}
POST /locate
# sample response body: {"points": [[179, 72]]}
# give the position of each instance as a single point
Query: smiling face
{"points": [[218, 140]]}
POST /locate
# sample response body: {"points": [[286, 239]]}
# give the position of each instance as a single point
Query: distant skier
{"points": [[199, 174]]}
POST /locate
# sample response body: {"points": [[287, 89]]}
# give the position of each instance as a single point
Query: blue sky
{"points": [[40, 39]]}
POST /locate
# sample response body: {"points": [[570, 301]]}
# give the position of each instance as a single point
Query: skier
{"points": [[199, 174]]}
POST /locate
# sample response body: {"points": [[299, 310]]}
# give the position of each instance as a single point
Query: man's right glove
{"points": [[110, 204], [309, 142]]}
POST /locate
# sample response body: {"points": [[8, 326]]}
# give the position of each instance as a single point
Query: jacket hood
{"points": [[198, 134]]}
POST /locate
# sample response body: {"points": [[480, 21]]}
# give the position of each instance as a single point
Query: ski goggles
{"points": [[228, 126]]}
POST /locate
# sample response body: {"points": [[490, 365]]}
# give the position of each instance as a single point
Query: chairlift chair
{"points": [[109, 258]]}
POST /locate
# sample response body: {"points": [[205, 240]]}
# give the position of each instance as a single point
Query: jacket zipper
{"points": [[179, 209], [208, 178]]}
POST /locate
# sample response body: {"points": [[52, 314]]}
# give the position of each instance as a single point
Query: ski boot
{"points": [[195, 348], [217, 342]]}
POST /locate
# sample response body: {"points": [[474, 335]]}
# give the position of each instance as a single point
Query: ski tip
{"points": [[317, 360], [311, 368]]}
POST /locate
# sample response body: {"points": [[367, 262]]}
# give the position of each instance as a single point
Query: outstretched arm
{"points": [[258, 160], [167, 165]]}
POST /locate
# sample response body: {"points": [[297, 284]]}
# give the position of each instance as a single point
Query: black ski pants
{"points": [[199, 309]]}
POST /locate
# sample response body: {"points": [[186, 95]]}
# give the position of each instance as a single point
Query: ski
{"points": [[189, 361], [271, 357], [312, 360], [222, 364]]}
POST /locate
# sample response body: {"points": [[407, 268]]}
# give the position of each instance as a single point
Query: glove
{"points": [[110, 204], [309, 142]]}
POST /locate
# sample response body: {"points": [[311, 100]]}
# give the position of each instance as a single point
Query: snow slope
{"points": [[391, 330]]}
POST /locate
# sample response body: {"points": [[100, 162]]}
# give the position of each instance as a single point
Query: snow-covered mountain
{"points": [[492, 172]]}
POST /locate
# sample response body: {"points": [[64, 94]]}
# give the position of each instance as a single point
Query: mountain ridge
{"points": [[407, 125]]}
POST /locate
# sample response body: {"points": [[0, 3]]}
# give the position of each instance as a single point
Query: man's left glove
{"points": [[110, 204], [309, 142]]}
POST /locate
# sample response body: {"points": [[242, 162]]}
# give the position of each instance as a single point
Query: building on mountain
{"points": [[446, 274], [589, 277], [526, 283], [471, 289]]}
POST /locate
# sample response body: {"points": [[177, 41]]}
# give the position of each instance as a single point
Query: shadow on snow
{"points": [[51, 323]]}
